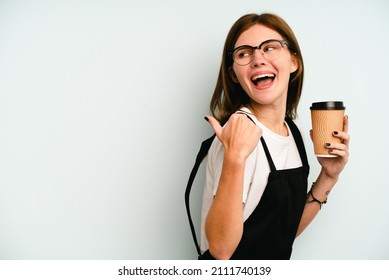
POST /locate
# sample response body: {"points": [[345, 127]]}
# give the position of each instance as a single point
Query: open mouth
{"points": [[263, 79]]}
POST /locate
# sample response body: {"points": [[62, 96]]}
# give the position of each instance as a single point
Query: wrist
{"points": [[312, 198], [234, 159]]}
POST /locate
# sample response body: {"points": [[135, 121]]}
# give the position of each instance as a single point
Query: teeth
{"points": [[263, 76]]}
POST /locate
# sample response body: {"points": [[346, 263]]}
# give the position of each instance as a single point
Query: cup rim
{"points": [[328, 105]]}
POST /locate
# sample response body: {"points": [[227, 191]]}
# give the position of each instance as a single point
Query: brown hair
{"points": [[229, 96]]}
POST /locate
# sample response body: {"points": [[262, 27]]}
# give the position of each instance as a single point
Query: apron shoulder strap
{"points": [[205, 145], [268, 156], [299, 140]]}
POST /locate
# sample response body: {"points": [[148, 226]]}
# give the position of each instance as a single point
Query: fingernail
{"points": [[336, 133], [206, 118], [328, 144]]}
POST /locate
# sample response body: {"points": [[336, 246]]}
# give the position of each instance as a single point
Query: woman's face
{"points": [[264, 81]]}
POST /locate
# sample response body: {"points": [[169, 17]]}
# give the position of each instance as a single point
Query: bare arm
{"points": [[321, 189], [331, 169], [224, 222]]}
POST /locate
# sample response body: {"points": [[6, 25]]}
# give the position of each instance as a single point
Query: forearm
{"points": [[224, 222], [320, 192]]}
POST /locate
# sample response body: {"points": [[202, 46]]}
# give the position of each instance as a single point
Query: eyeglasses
{"points": [[270, 49]]}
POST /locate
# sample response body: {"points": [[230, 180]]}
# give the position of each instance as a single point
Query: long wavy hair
{"points": [[229, 96]]}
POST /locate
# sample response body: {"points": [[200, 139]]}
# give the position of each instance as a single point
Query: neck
{"points": [[272, 117]]}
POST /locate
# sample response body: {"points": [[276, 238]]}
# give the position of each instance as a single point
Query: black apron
{"points": [[269, 232]]}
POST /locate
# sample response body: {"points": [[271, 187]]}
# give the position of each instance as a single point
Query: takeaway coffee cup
{"points": [[327, 117]]}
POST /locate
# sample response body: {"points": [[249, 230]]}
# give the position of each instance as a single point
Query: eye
{"points": [[271, 46], [243, 52]]}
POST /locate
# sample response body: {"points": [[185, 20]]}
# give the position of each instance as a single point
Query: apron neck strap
{"points": [[299, 140]]}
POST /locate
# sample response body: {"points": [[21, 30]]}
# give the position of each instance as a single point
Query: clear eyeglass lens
{"points": [[270, 51]]}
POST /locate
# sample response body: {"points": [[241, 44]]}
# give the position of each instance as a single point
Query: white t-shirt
{"points": [[284, 153]]}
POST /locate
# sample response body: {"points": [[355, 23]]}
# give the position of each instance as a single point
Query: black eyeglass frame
{"points": [[282, 42]]}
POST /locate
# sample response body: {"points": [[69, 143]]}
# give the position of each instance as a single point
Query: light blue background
{"points": [[101, 116]]}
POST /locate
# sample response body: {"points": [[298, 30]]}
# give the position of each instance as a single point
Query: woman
{"points": [[255, 199]]}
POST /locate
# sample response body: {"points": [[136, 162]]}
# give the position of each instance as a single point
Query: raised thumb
{"points": [[215, 125]]}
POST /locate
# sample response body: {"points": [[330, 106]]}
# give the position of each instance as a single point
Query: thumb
{"points": [[215, 125]]}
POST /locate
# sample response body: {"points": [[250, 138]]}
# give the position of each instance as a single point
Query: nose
{"points": [[258, 58]]}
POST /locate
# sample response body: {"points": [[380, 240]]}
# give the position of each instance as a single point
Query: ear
{"points": [[233, 75], [294, 65]]}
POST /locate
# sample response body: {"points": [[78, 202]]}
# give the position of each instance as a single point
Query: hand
{"points": [[239, 136], [332, 167]]}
